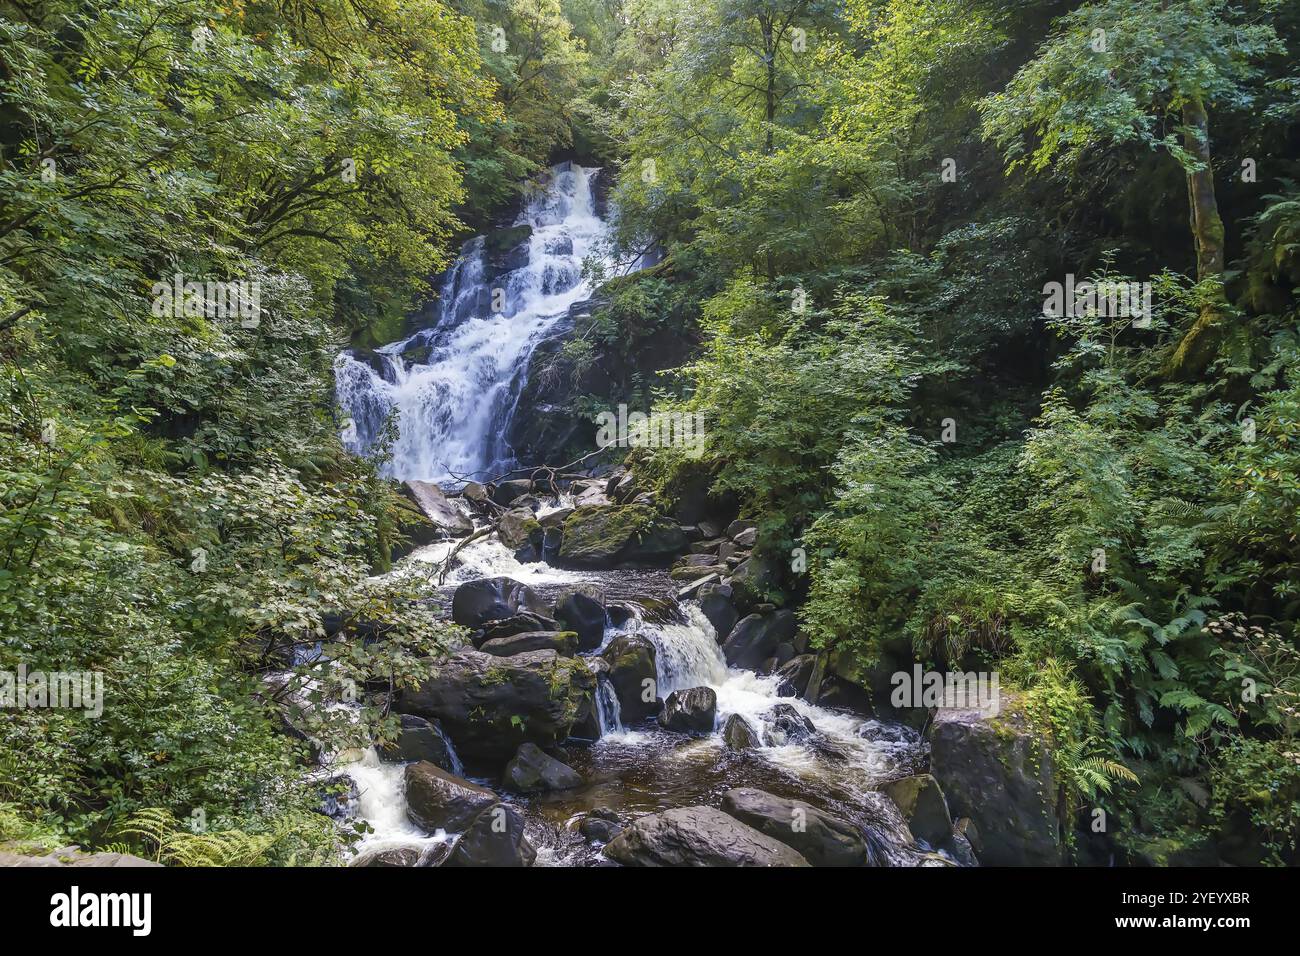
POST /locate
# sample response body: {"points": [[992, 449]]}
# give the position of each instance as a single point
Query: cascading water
{"points": [[453, 385]]}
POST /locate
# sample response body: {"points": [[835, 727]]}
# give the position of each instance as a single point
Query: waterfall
{"points": [[608, 711], [453, 384]]}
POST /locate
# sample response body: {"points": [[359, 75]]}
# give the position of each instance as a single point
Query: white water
{"points": [[454, 405]]}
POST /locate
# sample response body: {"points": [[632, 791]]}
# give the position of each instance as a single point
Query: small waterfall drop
{"points": [[453, 385]]}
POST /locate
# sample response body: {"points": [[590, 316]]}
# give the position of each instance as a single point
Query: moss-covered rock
{"points": [[620, 536], [998, 771]]}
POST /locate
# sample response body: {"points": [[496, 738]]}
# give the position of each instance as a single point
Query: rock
{"points": [[507, 491], [998, 771], [739, 527], [490, 705], [746, 539], [795, 674], [738, 733], [420, 739], [619, 536], [518, 529], [820, 838], [564, 643], [630, 660], [495, 838], [690, 711], [754, 638], [531, 771], [584, 615], [396, 856], [789, 727], [709, 529], [490, 599], [715, 602], [438, 800], [693, 588], [921, 802], [72, 856], [436, 506], [692, 572], [698, 836], [555, 519], [520, 623], [475, 492], [414, 528], [752, 581], [600, 826]]}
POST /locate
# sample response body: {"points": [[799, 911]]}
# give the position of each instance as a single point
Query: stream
{"points": [[454, 385]]}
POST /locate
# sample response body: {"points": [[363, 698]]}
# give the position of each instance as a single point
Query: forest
{"points": [[990, 310]]}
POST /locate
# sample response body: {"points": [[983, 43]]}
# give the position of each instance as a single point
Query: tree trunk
{"points": [[1195, 351]]}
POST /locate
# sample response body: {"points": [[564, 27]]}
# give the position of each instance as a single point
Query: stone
{"points": [[439, 800], [920, 800], [690, 711], [419, 739], [697, 836], [584, 615], [630, 660], [619, 536], [495, 838], [819, 837], [475, 603], [531, 771], [739, 735], [564, 643]]}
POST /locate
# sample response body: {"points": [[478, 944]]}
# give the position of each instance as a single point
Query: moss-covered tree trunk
{"points": [[1194, 351]]}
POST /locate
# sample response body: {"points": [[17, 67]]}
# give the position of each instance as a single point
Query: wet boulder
{"points": [[795, 674], [698, 836], [715, 602], [739, 734], [630, 660], [600, 826], [923, 806], [490, 705], [756, 637], [475, 603], [584, 615], [495, 838], [419, 739], [564, 643], [519, 623], [821, 838], [531, 771], [691, 711], [604, 536], [996, 770], [439, 800], [506, 492], [788, 726]]}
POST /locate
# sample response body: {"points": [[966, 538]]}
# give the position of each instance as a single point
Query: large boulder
{"points": [[531, 771], [820, 838], [754, 639], [436, 506], [998, 771], [602, 536], [795, 674], [518, 529], [630, 660], [475, 603], [691, 711], [420, 739], [520, 623], [698, 836], [495, 838], [584, 615], [439, 800], [490, 705], [739, 734], [921, 802], [715, 602], [564, 643]]}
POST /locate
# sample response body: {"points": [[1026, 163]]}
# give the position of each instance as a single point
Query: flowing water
{"points": [[453, 385]]}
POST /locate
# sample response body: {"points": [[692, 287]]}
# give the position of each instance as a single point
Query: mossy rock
{"points": [[603, 536]]}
